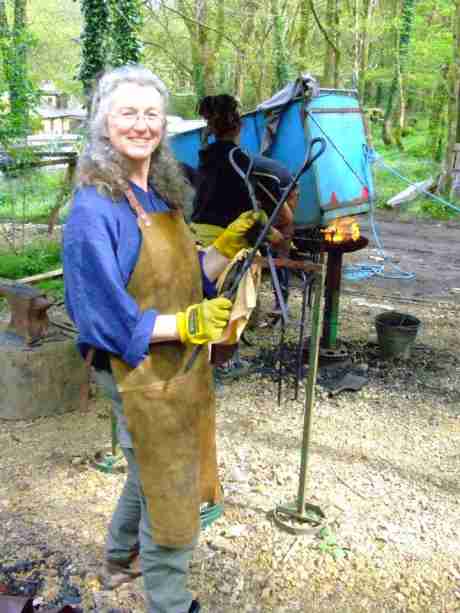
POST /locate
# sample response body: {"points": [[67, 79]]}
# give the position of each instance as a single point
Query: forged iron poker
{"points": [[309, 160]]}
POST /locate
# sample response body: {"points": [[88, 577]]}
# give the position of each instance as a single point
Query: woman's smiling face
{"points": [[136, 121]]}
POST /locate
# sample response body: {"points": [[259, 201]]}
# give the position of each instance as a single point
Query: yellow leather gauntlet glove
{"points": [[204, 322], [234, 238]]}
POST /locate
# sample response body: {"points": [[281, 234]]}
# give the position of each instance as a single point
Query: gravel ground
{"points": [[383, 466]]}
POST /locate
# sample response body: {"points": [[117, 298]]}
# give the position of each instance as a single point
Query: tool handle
{"points": [[310, 158]]}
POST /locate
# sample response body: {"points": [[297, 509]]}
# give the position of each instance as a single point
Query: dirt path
{"points": [[430, 249]]}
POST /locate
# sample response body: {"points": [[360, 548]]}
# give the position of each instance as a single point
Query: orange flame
{"points": [[342, 230]]}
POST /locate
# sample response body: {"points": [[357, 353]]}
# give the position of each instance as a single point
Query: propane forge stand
{"points": [[330, 348]]}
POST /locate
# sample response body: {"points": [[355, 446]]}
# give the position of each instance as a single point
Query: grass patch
{"points": [[53, 288], [29, 196], [414, 163], [36, 258]]}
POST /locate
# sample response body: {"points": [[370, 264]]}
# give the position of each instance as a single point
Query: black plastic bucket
{"points": [[396, 333]]}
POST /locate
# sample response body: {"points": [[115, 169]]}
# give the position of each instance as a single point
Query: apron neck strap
{"points": [[137, 207]]}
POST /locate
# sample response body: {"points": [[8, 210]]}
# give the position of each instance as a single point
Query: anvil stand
{"points": [[306, 515]]}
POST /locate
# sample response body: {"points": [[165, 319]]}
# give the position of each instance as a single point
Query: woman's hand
{"points": [[204, 322], [234, 237], [198, 324]]}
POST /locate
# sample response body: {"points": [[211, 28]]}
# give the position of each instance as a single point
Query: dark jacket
{"points": [[222, 195]]}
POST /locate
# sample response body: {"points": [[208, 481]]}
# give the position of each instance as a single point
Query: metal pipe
{"points": [[332, 300], [310, 388]]}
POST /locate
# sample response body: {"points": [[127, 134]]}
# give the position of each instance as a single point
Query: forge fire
{"points": [[342, 230]]}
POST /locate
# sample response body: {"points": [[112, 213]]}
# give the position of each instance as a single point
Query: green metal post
{"points": [[303, 512], [114, 437], [311, 382]]}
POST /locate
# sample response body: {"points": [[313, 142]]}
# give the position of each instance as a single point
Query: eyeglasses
{"points": [[129, 117]]}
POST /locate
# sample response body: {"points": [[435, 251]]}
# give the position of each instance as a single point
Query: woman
{"points": [[134, 287]]}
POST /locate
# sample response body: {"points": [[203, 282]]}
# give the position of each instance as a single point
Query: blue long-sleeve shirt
{"points": [[101, 246]]}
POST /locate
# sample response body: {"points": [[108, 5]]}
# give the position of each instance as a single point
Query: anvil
{"points": [[28, 307]]}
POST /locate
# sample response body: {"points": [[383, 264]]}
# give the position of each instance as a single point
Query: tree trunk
{"points": [[18, 100], [337, 44], [125, 26], [4, 42], [93, 43], [303, 33], [367, 9], [387, 135], [330, 33], [356, 53], [453, 184], [397, 90], [248, 10], [329, 60], [203, 52], [279, 58], [437, 123], [408, 10], [13, 52]]}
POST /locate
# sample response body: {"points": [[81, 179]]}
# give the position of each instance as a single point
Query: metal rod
{"points": [[113, 429], [319, 283], [303, 315], [280, 360], [276, 284]]}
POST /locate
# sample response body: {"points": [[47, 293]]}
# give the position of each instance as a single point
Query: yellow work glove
{"points": [[204, 322], [234, 237]]}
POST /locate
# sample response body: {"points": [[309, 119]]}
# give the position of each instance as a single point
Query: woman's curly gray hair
{"points": [[101, 165]]}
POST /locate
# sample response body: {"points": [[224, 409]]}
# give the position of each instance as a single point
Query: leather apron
{"points": [[170, 414]]}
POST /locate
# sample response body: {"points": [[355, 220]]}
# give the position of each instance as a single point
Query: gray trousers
{"points": [[164, 569]]}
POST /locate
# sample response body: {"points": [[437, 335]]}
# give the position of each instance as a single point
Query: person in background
{"points": [[135, 286], [221, 194]]}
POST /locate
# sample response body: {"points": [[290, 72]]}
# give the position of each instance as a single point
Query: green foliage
{"points": [[55, 26], [35, 258], [328, 544], [29, 196], [16, 42], [416, 164], [94, 40], [125, 24], [53, 288], [110, 37], [433, 210], [280, 59], [185, 106]]}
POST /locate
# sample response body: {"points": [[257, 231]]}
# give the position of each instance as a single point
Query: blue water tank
{"points": [[339, 183]]}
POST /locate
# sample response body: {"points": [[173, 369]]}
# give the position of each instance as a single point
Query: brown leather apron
{"points": [[170, 414]]}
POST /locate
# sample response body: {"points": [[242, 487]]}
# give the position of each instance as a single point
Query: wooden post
{"points": [[63, 192]]}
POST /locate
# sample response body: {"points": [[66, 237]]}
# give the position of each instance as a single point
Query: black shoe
{"points": [[194, 607]]}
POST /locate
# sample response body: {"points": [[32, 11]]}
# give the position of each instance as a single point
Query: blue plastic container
{"points": [[339, 183]]}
